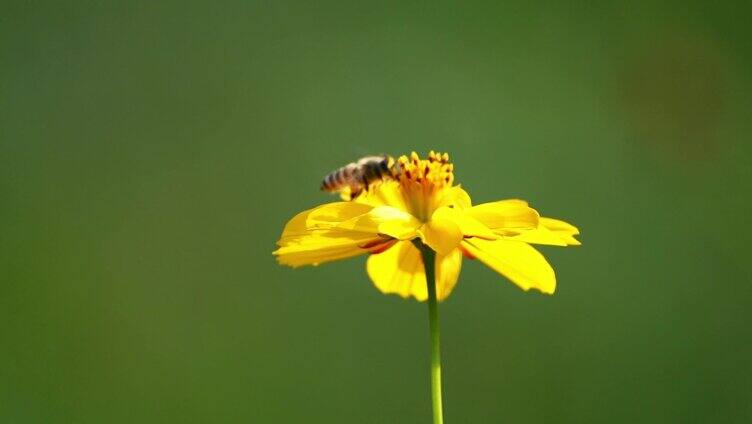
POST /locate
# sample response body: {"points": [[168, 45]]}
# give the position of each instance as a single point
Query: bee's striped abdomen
{"points": [[358, 176], [336, 180]]}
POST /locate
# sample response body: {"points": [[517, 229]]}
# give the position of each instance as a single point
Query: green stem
{"points": [[429, 261]]}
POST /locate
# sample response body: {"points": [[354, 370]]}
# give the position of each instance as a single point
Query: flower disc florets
{"points": [[423, 180]]}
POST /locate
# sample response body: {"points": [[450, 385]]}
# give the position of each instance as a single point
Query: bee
{"points": [[358, 176]]}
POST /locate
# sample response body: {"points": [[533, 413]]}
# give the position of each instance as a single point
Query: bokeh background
{"points": [[151, 152]]}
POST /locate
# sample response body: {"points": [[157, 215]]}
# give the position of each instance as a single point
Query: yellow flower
{"points": [[423, 203]]}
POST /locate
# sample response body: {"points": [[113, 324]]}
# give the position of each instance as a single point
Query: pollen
{"points": [[433, 173]]}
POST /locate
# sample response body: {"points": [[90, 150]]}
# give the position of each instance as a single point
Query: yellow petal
{"points": [[321, 246], [517, 261], [301, 224], [455, 196], [447, 272], [505, 215], [441, 235], [311, 237], [384, 220], [296, 226], [563, 229], [399, 270], [559, 225], [540, 235], [387, 193], [544, 235], [331, 214], [469, 226]]}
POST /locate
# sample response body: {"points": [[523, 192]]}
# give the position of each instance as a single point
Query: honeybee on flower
{"points": [[416, 199], [351, 179]]}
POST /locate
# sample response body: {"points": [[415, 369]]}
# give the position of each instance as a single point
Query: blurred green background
{"points": [[151, 152]]}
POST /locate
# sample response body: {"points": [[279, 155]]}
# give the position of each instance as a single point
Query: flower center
{"points": [[423, 181], [436, 171]]}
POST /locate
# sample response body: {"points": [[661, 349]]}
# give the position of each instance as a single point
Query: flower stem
{"points": [[429, 262]]}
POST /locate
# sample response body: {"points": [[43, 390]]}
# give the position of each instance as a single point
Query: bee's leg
{"points": [[364, 180], [384, 170]]}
